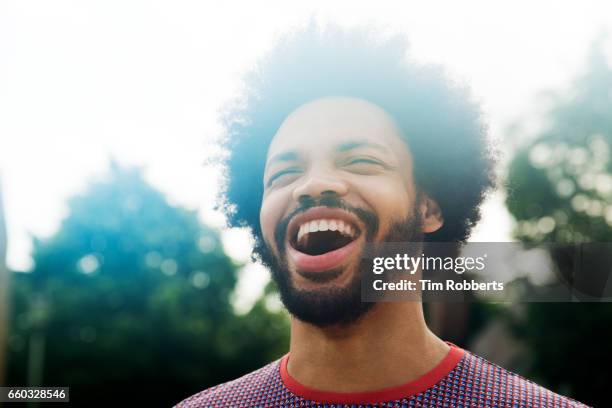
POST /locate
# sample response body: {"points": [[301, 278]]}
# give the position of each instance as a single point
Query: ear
{"points": [[431, 215]]}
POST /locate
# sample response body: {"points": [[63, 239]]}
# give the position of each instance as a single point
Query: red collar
{"points": [[370, 397]]}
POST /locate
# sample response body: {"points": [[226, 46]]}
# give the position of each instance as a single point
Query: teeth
{"points": [[342, 227], [333, 225], [301, 232], [325, 225], [314, 226]]}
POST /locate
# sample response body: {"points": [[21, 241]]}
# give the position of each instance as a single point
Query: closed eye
{"points": [[278, 176], [364, 165], [362, 160]]}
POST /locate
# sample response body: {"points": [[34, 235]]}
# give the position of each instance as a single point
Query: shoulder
{"points": [[488, 383], [249, 387]]}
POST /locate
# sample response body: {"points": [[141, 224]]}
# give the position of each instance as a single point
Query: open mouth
{"points": [[319, 236], [322, 239]]}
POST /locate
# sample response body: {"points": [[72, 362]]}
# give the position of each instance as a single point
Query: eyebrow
{"points": [[344, 147], [283, 157]]}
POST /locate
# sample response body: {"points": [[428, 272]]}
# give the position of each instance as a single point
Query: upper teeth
{"points": [[325, 225]]}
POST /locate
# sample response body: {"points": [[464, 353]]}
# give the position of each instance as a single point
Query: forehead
{"points": [[327, 123]]}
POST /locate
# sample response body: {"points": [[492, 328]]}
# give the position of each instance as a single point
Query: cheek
{"points": [[391, 200], [272, 209]]}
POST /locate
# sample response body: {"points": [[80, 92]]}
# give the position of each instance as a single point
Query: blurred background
{"points": [[116, 272]]}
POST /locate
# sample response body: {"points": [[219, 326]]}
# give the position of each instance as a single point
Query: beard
{"points": [[333, 305]]}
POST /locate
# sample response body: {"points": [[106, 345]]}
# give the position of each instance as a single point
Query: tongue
{"points": [[325, 261]]}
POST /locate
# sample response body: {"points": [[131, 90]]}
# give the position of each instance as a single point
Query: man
{"points": [[339, 143]]}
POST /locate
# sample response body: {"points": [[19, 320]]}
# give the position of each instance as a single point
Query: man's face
{"points": [[337, 175]]}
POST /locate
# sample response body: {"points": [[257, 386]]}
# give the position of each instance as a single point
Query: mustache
{"points": [[369, 219]]}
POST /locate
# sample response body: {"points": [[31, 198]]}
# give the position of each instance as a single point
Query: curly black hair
{"points": [[443, 126]]}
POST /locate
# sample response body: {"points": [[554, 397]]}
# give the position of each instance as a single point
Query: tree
{"points": [[560, 190], [131, 299]]}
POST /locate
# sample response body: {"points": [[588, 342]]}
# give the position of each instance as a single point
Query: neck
{"points": [[389, 346]]}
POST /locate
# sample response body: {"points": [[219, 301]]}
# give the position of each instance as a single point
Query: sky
{"points": [[142, 82]]}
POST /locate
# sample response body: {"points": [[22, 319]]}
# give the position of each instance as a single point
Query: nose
{"points": [[318, 185]]}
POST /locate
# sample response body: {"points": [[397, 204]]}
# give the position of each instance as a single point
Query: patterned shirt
{"points": [[460, 380]]}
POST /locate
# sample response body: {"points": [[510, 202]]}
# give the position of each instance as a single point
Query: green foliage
{"points": [[133, 293], [560, 185], [560, 190]]}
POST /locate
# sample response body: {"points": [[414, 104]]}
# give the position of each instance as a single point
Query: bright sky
{"points": [[82, 81]]}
